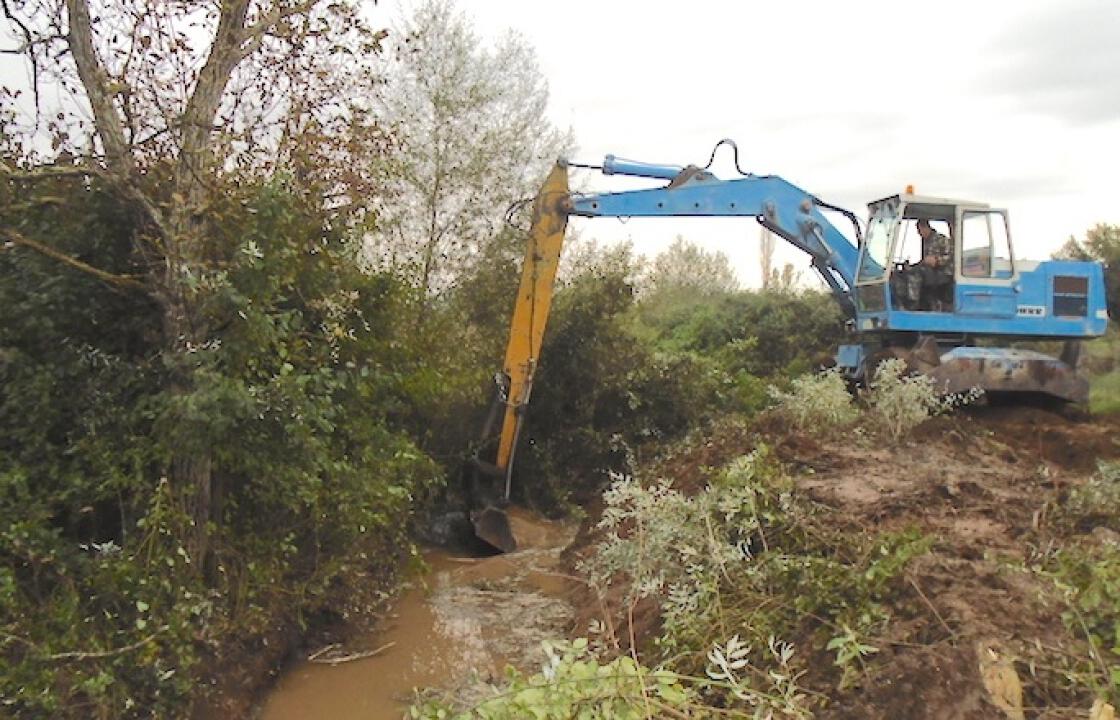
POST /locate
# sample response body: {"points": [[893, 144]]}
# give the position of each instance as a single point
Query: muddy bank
{"points": [[982, 487], [453, 628]]}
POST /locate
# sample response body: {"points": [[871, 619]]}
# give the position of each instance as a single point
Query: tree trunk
{"points": [[182, 234], [191, 459], [192, 477]]}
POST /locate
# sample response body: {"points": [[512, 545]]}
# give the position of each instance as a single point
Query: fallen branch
{"points": [[322, 651], [106, 653], [936, 614], [317, 656]]}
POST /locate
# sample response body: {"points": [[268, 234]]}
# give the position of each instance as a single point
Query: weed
{"points": [[748, 559], [818, 402], [848, 647], [729, 663], [1097, 501], [1086, 576], [573, 683]]}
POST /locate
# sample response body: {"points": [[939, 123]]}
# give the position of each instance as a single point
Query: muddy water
{"points": [[455, 628]]}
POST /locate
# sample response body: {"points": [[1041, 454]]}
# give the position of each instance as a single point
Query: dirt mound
{"points": [[1070, 441], [981, 485]]}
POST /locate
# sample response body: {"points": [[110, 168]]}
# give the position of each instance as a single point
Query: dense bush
{"points": [[622, 370], [104, 607], [330, 403], [820, 402]]}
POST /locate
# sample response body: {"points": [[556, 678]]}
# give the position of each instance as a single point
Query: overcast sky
{"points": [[1014, 104]]}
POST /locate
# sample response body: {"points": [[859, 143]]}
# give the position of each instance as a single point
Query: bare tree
{"points": [[173, 103]]}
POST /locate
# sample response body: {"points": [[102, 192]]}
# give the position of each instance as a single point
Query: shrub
{"points": [[818, 402], [1097, 501], [746, 557], [661, 540], [899, 402], [574, 684]]}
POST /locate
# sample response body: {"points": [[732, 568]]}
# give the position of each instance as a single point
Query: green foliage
{"points": [[1104, 393], [819, 402], [896, 401], [473, 138], [848, 647], [1102, 365], [747, 557], [1096, 502], [685, 268], [574, 684], [1086, 576], [1088, 580], [760, 333], [899, 401], [297, 399], [778, 696], [605, 388], [659, 539]]}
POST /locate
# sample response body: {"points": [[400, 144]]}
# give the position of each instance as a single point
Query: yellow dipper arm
{"points": [[534, 300]]}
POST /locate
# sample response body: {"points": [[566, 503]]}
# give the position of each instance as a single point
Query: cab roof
{"points": [[929, 206]]}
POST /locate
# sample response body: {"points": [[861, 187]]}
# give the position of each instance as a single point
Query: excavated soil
{"points": [[982, 485]]}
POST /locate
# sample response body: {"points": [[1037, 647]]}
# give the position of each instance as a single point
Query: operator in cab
{"points": [[936, 269]]}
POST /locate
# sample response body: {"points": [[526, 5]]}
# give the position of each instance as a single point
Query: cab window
{"points": [[909, 245], [985, 246]]}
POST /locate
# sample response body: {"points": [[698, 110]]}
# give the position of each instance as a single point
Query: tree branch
{"points": [[117, 281], [254, 34], [29, 44], [95, 655], [96, 83], [202, 107], [110, 129], [50, 172]]}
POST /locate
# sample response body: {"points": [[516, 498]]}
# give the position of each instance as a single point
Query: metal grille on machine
{"points": [[1071, 296]]}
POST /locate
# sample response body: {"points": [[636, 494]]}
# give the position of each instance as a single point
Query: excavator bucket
{"points": [[491, 525], [530, 315]]}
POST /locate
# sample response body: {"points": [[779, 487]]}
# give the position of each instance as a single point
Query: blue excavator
{"points": [[954, 330]]}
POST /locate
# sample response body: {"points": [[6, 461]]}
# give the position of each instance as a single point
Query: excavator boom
{"points": [[534, 302], [530, 315]]}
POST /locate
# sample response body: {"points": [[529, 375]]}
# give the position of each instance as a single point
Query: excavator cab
{"points": [[894, 250]]}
